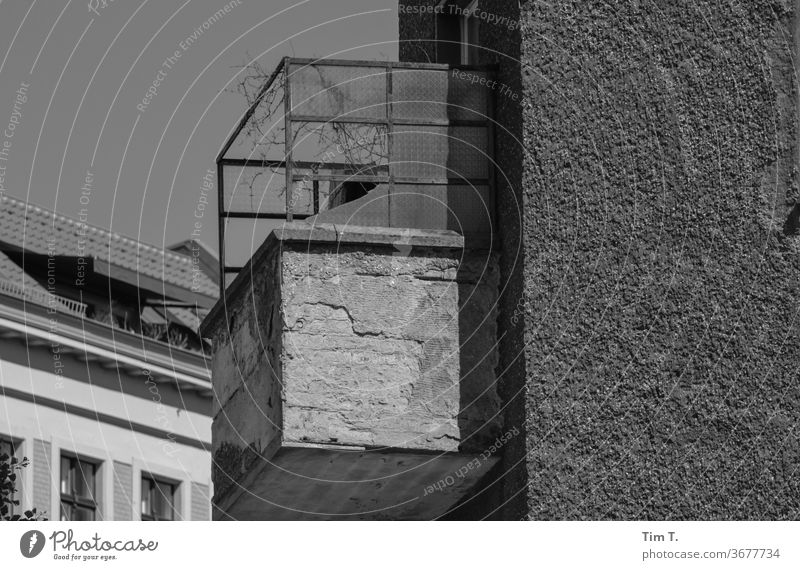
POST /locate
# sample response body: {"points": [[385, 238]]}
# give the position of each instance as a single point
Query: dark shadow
{"points": [[792, 224]]}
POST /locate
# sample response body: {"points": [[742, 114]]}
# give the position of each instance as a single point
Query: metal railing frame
{"points": [[388, 121]]}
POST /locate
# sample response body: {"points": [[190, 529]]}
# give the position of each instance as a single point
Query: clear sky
{"points": [[71, 79]]}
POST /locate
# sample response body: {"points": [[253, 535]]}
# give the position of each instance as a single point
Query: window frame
{"points": [[156, 481], [71, 499], [465, 23]]}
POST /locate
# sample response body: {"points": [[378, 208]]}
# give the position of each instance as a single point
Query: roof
{"points": [[38, 230], [188, 244], [198, 249]]}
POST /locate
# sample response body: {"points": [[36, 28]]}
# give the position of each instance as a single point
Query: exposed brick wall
{"points": [[201, 502], [42, 484], [123, 491]]}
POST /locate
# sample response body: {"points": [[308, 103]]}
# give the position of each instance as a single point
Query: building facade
{"points": [[104, 385]]}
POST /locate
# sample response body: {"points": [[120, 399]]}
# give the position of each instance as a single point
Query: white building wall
{"points": [[43, 431]]}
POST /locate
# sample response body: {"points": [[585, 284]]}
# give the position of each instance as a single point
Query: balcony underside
{"points": [[355, 485]]}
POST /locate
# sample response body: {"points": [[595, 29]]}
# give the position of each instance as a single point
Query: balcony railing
{"points": [[55, 302], [359, 143]]}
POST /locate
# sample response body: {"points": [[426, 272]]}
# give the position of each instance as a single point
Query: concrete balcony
{"points": [[354, 374]]}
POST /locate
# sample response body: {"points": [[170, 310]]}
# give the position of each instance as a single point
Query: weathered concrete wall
{"points": [[246, 333], [481, 417], [371, 346], [371, 337], [660, 272]]}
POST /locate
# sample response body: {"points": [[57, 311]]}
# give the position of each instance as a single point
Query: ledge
{"points": [[299, 232], [365, 235]]}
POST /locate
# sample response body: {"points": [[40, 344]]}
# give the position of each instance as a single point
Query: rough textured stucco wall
{"points": [[660, 271], [417, 31], [662, 339]]}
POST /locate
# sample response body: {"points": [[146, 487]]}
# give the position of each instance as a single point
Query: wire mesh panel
{"points": [[431, 95], [464, 209], [440, 152], [355, 147], [332, 91]]}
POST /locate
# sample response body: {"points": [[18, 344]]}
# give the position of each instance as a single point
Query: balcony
{"points": [[40, 296], [384, 144], [355, 343]]}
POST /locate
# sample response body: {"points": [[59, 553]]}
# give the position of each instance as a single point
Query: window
{"points": [[158, 500], [7, 448], [78, 485], [457, 32]]}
